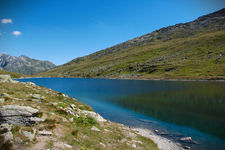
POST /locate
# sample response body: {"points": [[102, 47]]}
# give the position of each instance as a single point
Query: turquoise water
{"points": [[175, 108]]}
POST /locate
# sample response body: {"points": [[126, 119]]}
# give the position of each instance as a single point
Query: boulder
{"points": [[7, 78], [18, 115], [94, 115], [16, 110], [94, 128]]}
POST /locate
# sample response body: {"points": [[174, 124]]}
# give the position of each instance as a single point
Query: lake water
{"points": [[175, 108]]}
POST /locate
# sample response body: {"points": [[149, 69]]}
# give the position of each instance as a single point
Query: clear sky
{"points": [[61, 30]]}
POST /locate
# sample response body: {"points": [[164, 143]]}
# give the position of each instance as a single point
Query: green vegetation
{"points": [[12, 74], [65, 117], [192, 50]]}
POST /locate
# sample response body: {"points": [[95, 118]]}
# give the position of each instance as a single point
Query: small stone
{"points": [[134, 146], [67, 145], [30, 83], [64, 119], [102, 144], [36, 119], [94, 128], [45, 133], [2, 100], [71, 119], [106, 130], [186, 147], [186, 139], [30, 135]]}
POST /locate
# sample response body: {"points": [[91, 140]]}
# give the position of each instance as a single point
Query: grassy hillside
{"points": [[12, 74], [194, 50]]}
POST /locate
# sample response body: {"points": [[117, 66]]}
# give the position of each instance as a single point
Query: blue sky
{"points": [[61, 30]]}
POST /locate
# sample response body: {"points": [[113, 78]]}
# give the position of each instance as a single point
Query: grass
{"points": [[200, 56], [78, 133]]}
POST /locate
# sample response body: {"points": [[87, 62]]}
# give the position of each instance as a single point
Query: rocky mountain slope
{"points": [[23, 64], [193, 50], [37, 118]]}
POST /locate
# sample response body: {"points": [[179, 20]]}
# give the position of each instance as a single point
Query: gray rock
{"points": [[186, 147], [30, 135], [5, 95], [23, 64], [134, 146], [37, 96], [94, 128], [94, 115], [102, 144], [68, 146], [186, 139], [2, 100], [7, 78], [45, 133], [18, 115], [5, 126], [71, 119], [36, 119], [16, 110], [30, 83], [8, 136]]}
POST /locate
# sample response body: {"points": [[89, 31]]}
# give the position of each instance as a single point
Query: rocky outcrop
{"points": [[7, 78], [23, 64], [18, 115]]}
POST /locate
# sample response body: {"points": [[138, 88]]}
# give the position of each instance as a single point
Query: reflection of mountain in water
{"points": [[201, 107]]}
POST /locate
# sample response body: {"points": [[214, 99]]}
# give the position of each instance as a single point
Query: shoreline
{"points": [[162, 142], [185, 80]]}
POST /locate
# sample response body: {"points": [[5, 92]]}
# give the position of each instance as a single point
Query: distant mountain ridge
{"points": [[23, 64], [194, 49]]}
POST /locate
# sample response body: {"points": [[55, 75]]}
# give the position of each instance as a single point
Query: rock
{"points": [[94, 115], [17, 115], [67, 146], [45, 133], [94, 128], [71, 119], [5, 95], [7, 78], [37, 96], [163, 133], [186, 147], [2, 100], [134, 146], [8, 136], [106, 130], [73, 106], [30, 83], [36, 119], [103, 145], [16, 110], [5, 126], [186, 139], [64, 119], [30, 135]]}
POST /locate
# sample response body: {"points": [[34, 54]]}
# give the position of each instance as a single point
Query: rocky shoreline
{"points": [[27, 120]]}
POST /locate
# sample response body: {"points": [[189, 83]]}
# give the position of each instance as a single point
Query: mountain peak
{"points": [[23, 64]]}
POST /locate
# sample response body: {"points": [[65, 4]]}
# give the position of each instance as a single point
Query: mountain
{"points": [[192, 50], [23, 64]]}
